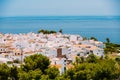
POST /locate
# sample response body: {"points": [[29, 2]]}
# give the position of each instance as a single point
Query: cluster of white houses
{"points": [[61, 49]]}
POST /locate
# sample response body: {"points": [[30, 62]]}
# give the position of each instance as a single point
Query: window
{"points": [[18, 53]]}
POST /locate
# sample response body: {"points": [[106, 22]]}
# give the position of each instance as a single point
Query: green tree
{"points": [[70, 74], [34, 67], [107, 69], [92, 58], [41, 31], [46, 31], [93, 38], [108, 40], [61, 31], [111, 47], [44, 77], [14, 73], [4, 72], [23, 75], [62, 77], [77, 60], [51, 32], [52, 72], [37, 61], [102, 70]]}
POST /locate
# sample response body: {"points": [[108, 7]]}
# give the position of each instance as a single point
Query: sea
{"points": [[100, 27]]}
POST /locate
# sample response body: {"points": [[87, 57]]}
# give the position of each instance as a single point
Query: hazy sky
{"points": [[59, 7]]}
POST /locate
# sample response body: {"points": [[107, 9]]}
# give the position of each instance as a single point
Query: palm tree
{"points": [[108, 40]]}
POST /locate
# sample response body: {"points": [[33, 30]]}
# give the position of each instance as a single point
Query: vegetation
{"points": [[108, 40], [14, 73], [52, 72], [93, 38], [111, 47], [4, 72], [38, 62], [85, 38], [46, 31], [16, 61], [37, 67], [49, 31], [93, 68], [61, 31]]}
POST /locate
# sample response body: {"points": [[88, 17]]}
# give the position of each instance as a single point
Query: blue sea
{"points": [[101, 27]]}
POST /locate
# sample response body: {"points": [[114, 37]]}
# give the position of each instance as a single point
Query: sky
{"points": [[59, 8]]}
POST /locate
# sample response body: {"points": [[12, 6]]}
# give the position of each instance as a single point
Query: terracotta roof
{"points": [[57, 65], [69, 66], [5, 54]]}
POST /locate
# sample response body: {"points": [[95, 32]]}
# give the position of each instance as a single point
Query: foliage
{"points": [[36, 67], [108, 40], [117, 59], [93, 38], [46, 31], [36, 61], [4, 72], [92, 58], [62, 77], [30, 75], [16, 61], [14, 73], [61, 31], [44, 77], [9, 62], [78, 60], [52, 72], [102, 69], [111, 47]]}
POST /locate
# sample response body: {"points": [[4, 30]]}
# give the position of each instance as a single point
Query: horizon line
{"points": [[64, 16]]}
